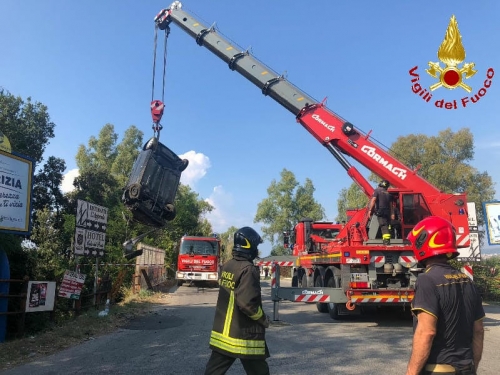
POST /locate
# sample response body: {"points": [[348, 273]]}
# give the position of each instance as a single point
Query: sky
{"points": [[91, 63]]}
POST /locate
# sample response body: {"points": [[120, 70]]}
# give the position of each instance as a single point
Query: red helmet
{"points": [[433, 236]]}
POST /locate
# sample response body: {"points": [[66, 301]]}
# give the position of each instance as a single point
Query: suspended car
{"points": [[153, 183]]}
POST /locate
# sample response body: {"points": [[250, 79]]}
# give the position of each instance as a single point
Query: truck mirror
{"points": [[286, 239]]}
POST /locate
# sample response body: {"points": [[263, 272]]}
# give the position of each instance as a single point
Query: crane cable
{"points": [[157, 106]]}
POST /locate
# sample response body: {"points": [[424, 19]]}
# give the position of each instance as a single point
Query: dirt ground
{"points": [[84, 327]]}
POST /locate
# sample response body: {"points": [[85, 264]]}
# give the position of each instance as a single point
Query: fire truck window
{"points": [[199, 247]]}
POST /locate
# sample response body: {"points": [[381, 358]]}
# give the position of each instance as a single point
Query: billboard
{"points": [[40, 296], [492, 218], [16, 182]]}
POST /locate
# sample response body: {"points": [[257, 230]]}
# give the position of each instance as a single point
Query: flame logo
{"points": [[451, 53]]}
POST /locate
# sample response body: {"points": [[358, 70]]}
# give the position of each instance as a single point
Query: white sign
{"points": [[91, 216], [40, 296], [16, 174], [71, 285], [90, 231], [79, 243], [471, 208], [492, 217], [473, 250], [94, 240]]}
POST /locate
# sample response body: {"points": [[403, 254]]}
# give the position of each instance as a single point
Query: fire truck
{"points": [[341, 267], [198, 261]]}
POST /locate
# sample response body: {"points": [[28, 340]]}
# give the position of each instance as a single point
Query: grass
{"points": [[74, 331]]}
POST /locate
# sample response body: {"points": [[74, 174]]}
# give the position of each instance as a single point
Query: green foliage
{"points": [[287, 203], [350, 198], [52, 256], [486, 277], [47, 189], [26, 124], [444, 162], [227, 239]]}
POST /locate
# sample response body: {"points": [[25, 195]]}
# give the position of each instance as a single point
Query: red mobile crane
{"points": [[350, 267]]}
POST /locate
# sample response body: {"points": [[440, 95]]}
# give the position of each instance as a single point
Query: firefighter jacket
{"points": [[237, 329]]}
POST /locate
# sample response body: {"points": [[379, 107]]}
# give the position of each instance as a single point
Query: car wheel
{"points": [[184, 164], [170, 212], [134, 191], [151, 144]]}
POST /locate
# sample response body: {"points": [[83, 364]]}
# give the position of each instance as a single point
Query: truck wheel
{"points": [[295, 282], [134, 191], [333, 308], [180, 282], [322, 307]]}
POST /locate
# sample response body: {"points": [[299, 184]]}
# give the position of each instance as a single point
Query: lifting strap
{"points": [[157, 106]]}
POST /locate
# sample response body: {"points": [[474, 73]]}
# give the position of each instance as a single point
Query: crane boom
{"points": [[332, 131]]}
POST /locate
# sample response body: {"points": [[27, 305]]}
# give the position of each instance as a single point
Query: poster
{"points": [[492, 217], [72, 285], [41, 296]]}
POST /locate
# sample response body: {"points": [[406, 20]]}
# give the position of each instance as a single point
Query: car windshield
{"points": [[198, 247]]}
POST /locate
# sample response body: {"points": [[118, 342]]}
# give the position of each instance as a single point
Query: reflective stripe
{"points": [[440, 368], [258, 315], [238, 346], [229, 314]]}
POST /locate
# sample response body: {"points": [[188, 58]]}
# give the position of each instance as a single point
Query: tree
{"points": [[227, 239], [287, 203], [444, 162], [26, 124], [126, 153], [350, 198], [47, 188], [28, 127]]}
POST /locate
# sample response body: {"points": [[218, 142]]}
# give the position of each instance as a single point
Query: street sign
{"points": [[90, 231], [91, 216], [71, 285]]}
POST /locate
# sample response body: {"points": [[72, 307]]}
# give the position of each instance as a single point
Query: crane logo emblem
{"points": [[452, 75]]}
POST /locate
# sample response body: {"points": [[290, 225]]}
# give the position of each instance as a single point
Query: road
{"points": [[173, 340]]}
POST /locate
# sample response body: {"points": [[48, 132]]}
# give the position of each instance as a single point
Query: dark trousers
{"points": [[383, 223], [218, 364]]}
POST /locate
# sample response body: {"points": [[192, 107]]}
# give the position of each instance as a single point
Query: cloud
{"points": [[197, 168], [224, 214], [221, 202], [67, 182]]}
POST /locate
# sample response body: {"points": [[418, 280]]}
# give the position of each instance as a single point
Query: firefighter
{"points": [[381, 201], [240, 322], [447, 308]]}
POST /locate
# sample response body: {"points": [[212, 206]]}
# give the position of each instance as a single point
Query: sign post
{"points": [[90, 233]]}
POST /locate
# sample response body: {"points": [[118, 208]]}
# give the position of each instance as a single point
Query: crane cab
{"points": [[153, 183]]}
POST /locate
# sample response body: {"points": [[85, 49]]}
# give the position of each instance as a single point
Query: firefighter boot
{"points": [[386, 239]]}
